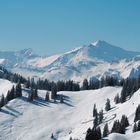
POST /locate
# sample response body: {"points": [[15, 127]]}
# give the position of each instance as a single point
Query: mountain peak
{"points": [[99, 43], [29, 52]]}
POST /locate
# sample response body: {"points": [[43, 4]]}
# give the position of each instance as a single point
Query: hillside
{"points": [[39, 119]]}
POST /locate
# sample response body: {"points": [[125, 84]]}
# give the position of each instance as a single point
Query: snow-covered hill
{"points": [[36, 120], [94, 60]]}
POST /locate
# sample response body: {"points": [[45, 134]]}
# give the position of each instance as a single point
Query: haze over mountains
{"points": [[93, 60]]}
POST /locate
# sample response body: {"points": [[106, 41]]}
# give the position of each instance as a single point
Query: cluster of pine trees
{"points": [[98, 116], [103, 82], [93, 134], [118, 126], [136, 126], [11, 94], [130, 85], [49, 95], [48, 85], [107, 105], [33, 94]]}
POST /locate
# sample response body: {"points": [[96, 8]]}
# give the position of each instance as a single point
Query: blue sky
{"points": [[55, 26]]}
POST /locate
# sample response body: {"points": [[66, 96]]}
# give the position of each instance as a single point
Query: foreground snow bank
{"points": [[132, 136]]}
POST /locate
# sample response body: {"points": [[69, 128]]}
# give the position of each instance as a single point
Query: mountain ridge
{"points": [[93, 60]]}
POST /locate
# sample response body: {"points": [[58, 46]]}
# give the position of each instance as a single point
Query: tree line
{"points": [[70, 85]]}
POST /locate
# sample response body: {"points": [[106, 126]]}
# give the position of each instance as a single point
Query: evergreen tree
{"points": [[102, 82], [98, 133], [2, 101], [101, 116], [118, 128], [28, 83], [8, 98], [89, 135], [31, 95], [105, 130], [91, 84], [85, 84], [10, 94], [35, 93], [124, 121], [18, 90], [95, 122], [93, 134], [52, 137], [61, 99], [138, 82], [135, 128], [138, 128], [115, 127], [123, 92], [95, 111], [137, 114], [53, 91], [32, 83], [117, 99], [134, 87], [47, 96], [107, 105]]}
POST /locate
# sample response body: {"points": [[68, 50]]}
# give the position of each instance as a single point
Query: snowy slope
{"points": [[37, 120], [42, 61], [22, 120]]}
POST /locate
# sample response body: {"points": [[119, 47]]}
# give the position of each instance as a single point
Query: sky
{"points": [[56, 26]]}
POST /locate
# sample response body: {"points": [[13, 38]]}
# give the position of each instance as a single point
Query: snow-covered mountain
{"points": [[94, 60], [12, 59]]}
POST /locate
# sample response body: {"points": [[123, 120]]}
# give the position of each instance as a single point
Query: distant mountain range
{"points": [[91, 61]]}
